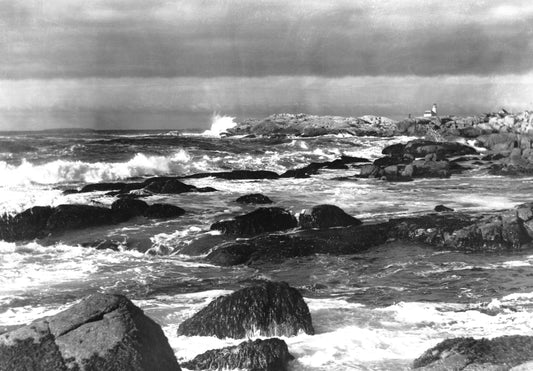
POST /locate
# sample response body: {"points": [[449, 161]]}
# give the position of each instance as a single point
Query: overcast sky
{"points": [[247, 58]]}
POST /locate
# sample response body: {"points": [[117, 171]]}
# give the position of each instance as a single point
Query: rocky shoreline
{"points": [[110, 332]]}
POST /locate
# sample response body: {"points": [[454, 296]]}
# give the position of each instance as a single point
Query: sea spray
{"points": [[219, 125]]}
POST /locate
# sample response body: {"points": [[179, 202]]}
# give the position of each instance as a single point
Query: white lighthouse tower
{"points": [[433, 112]]}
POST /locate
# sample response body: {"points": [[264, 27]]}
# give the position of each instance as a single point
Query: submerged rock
{"points": [[265, 219], [259, 355], [326, 216], [498, 354], [254, 198], [102, 332], [268, 309]]}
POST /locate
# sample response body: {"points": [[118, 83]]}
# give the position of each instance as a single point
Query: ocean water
{"points": [[376, 310]]}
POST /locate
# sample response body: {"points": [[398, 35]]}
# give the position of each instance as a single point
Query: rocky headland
{"points": [[109, 332]]}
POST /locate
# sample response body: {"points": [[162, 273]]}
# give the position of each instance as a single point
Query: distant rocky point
{"points": [[311, 125]]}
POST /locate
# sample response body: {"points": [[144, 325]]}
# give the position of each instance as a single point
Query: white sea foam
{"points": [[351, 336], [61, 171], [219, 125]]}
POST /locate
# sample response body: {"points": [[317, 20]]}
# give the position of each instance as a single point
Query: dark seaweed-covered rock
{"points": [[28, 224], [172, 186], [39, 222], [442, 209], [268, 309], [312, 168], [326, 216], [259, 355], [501, 353], [254, 198], [265, 219], [102, 187], [127, 208], [280, 247], [163, 211], [65, 217], [102, 332], [237, 174]]}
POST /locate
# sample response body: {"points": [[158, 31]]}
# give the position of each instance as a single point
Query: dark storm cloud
{"points": [[259, 38]]}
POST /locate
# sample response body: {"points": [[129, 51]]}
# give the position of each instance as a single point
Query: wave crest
{"points": [[62, 171]]}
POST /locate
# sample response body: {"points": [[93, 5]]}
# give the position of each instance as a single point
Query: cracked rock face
{"points": [[102, 332]]}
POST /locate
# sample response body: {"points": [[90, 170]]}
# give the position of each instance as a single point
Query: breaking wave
{"points": [[219, 125], [62, 171]]}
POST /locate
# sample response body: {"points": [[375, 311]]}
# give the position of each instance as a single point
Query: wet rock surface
{"points": [[280, 247], [326, 216], [43, 221], [265, 219], [501, 353], [102, 332], [259, 355], [266, 309], [254, 198], [507, 230]]}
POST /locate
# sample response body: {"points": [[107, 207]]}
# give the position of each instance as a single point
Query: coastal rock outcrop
{"points": [[102, 332], [497, 231], [260, 355], [314, 167], [237, 175], [310, 125], [161, 184], [326, 216], [42, 221], [264, 219], [278, 247], [163, 211], [417, 159], [506, 230], [254, 198], [266, 309], [498, 354]]}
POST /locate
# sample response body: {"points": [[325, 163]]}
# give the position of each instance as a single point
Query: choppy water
{"points": [[372, 311]]}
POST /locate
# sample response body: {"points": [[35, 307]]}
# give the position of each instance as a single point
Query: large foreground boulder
{"points": [[499, 354], [259, 355], [102, 332], [326, 216], [267, 309], [264, 219]]}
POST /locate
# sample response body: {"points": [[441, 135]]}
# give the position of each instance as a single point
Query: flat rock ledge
{"points": [[468, 354], [259, 355], [43, 221], [507, 230], [102, 332], [266, 309]]}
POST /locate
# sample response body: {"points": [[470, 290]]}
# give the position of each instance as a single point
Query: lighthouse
{"points": [[433, 112]]}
